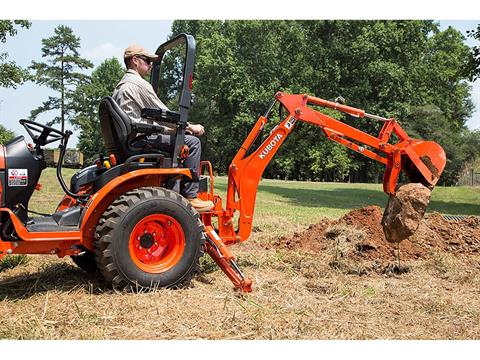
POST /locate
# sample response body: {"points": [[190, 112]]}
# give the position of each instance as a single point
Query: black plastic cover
{"points": [[84, 176], [203, 184], [19, 160], [68, 217]]}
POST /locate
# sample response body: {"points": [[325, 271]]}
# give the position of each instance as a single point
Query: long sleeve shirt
{"points": [[133, 93]]}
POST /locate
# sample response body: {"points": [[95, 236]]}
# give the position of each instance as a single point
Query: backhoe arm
{"points": [[422, 161]]}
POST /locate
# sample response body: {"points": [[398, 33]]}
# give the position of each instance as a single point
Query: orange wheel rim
{"points": [[156, 243]]}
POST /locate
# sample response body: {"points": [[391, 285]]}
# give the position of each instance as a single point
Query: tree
{"points": [[5, 135], [385, 67], [58, 73], [11, 75], [86, 100], [461, 147], [473, 69]]}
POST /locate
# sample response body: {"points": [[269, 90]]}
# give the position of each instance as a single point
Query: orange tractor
{"points": [[121, 216]]}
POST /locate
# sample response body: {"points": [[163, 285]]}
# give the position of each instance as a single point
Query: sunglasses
{"points": [[147, 60]]}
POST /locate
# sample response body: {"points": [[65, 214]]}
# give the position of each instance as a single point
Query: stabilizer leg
{"points": [[226, 260]]}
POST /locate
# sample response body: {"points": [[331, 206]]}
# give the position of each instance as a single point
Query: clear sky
{"points": [[102, 39]]}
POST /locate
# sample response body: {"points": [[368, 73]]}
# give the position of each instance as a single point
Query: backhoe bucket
{"points": [[423, 162]]}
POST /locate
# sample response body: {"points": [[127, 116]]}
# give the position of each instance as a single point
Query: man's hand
{"points": [[196, 129]]}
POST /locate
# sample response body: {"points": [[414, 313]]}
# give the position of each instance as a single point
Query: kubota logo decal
{"points": [[270, 146]]}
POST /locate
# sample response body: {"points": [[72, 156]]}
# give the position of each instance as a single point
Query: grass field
{"points": [[296, 295]]}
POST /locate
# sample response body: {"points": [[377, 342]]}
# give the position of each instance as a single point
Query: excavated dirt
{"points": [[358, 235]]}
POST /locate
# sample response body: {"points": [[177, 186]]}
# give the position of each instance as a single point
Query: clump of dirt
{"points": [[365, 241]]}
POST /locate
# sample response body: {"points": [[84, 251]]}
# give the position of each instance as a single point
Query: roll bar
{"points": [[186, 96]]}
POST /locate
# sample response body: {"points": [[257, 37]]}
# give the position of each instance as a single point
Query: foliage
{"points": [[86, 99], [5, 135], [11, 74], [474, 65], [429, 122], [58, 73], [388, 68]]}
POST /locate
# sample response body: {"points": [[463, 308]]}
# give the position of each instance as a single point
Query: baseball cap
{"points": [[134, 50]]}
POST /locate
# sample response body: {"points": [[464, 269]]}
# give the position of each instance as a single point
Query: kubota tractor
{"points": [[121, 215]]}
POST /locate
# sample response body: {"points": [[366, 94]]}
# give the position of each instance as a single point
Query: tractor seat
{"points": [[119, 132]]}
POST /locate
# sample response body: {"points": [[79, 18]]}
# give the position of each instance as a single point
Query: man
{"points": [[133, 93]]}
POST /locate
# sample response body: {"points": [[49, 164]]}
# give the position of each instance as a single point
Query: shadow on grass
{"points": [[354, 198], [60, 277]]}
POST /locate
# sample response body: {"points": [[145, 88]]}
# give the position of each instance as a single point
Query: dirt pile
{"points": [[434, 233], [405, 211]]}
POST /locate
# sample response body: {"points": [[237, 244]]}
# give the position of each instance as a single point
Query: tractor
{"points": [[121, 216]]}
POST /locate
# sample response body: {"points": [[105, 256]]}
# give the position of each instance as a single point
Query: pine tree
{"points": [[59, 73]]}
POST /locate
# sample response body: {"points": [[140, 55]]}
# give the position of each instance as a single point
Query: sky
{"points": [[102, 39]]}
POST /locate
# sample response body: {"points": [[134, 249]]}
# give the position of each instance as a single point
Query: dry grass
{"points": [[297, 295]]}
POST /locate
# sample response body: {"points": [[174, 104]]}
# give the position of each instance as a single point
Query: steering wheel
{"points": [[43, 134]]}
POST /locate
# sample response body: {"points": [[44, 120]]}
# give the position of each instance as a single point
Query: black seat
{"points": [[120, 132]]}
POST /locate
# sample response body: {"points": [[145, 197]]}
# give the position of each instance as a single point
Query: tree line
{"points": [[409, 70]]}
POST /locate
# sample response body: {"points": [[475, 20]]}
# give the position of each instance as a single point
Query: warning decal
{"points": [[17, 177]]}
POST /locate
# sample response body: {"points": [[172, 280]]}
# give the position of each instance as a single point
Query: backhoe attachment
{"points": [[422, 162]]}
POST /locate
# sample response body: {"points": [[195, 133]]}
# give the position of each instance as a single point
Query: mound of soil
{"points": [[434, 233]]}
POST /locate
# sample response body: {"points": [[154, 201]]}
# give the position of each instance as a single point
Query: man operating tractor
{"points": [[133, 93]]}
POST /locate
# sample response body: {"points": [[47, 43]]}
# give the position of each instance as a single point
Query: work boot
{"points": [[200, 205]]}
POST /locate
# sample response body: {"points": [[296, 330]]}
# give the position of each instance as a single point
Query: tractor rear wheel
{"points": [[149, 238]]}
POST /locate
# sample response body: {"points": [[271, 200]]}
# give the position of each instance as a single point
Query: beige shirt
{"points": [[133, 93]]}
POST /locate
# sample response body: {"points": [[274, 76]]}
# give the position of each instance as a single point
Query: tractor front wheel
{"points": [[148, 238]]}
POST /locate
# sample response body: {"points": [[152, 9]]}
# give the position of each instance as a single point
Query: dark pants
{"points": [[167, 143]]}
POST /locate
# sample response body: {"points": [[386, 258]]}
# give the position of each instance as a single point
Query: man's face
{"points": [[143, 65]]}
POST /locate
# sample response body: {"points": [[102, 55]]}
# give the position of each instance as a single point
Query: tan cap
{"points": [[133, 50]]}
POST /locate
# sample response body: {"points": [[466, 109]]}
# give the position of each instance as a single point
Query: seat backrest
{"points": [[116, 128]]}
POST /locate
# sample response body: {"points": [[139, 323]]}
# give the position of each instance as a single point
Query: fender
{"points": [[100, 201]]}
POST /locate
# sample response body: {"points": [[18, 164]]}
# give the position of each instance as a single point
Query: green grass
{"points": [[298, 201], [12, 261], [47, 199], [311, 200]]}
